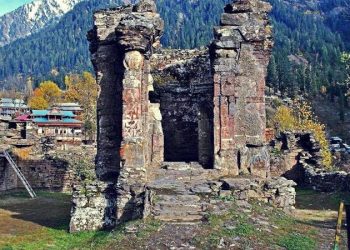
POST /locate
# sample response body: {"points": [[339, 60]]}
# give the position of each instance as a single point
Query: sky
{"points": [[9, 5]]}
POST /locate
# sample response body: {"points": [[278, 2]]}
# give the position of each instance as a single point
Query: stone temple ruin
{"points": [[178, 128]]}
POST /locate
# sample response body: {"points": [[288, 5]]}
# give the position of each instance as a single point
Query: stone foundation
{"points": [[180, 193], [93, 207], [186, 196]]}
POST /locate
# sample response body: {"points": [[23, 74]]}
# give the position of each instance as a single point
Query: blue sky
{"points": [[9, 5]]}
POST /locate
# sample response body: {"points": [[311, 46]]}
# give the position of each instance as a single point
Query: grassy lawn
{"points": [[42, 223]]}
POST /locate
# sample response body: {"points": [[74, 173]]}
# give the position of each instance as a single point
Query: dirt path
{"points": [[320, 211]]}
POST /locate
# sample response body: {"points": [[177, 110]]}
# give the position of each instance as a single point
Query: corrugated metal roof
{"points": [[12, 103], [68, 104], [40, 112], [6, 100], [49, 112]]}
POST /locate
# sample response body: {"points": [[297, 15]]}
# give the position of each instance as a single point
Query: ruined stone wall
{"points": [[41, 173], [47, 174], [240, 55], [8, 178], [174, 106], [302, 153]]}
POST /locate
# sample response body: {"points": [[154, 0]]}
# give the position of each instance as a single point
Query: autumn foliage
{"points": [[47, 94], [83, 89], [22, 153], [300, 117]]}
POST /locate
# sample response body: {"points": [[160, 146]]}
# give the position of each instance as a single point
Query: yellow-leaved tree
{"points": [[301, 118], [284, 119], [84, 90], [47, 94]]}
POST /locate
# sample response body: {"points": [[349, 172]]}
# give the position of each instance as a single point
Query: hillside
{"points": [[303, 33], [65, 47], [307, 51]]}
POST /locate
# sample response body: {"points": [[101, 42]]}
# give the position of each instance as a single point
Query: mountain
{"points": [[309, 39], [334, 13], [32, 17], [64, 46]]}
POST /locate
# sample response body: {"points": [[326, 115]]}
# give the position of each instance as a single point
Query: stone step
{"points": [[179, 218], [164, 186], [178, 208], [161, 208], [184, 199]]}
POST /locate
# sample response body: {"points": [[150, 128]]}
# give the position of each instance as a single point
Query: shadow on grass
{"points": [[49, 209], [315, 200]]}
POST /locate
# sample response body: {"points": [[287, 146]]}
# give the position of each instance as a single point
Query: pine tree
{"points": [[272, 74]]}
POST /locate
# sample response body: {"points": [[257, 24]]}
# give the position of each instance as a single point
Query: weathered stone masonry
{"points": [[130, 137], [240, 54], [168, 144], [43, 173]]}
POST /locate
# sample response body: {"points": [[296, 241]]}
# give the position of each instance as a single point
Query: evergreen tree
{"points": [[272, 75]]}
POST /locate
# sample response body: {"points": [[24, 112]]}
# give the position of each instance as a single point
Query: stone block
{"points": [[236, 19]]}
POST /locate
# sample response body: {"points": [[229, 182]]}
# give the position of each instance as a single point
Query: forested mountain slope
{"points": [[309, 41], [307, 51], [64, 47]]}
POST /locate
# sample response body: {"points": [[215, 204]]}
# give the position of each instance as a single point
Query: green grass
{"points": [[295, 241], [55, 239], [45, 221], [243, 229], [310, 199], [42, 224], [22, 195]]}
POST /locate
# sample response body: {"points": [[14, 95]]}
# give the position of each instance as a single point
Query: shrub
{"points": [[22, 153], [284, 119], [301, 118]]}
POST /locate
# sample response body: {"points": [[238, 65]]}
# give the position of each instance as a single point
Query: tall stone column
{"points": [[240, 54], [136, 35], [130, 136]]}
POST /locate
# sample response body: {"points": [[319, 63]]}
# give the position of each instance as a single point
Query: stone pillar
{"points": [[121, 44], [240, 54], [136, 34]]}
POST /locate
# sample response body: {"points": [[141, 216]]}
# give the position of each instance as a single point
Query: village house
{"points": [[73, 107], [58, 123], [10, 107]]}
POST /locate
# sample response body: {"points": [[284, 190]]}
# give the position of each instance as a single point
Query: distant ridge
{"points": [[31, 18]]}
